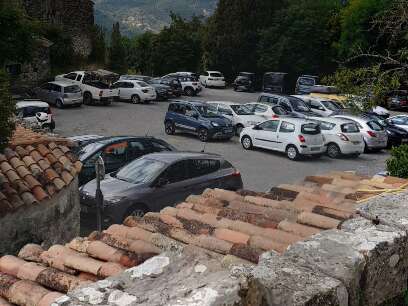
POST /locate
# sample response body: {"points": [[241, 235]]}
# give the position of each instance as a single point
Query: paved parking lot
{"points": [[260, 169]]}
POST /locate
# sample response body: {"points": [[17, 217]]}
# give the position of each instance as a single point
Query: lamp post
{"points": [[100, 175]]}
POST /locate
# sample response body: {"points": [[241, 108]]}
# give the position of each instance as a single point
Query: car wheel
{"points": [[246, 142], [333, 150], [189, 91], [137, 211], [203, 135], [59, 104], [292, 152], [169, 128], [87, 98], [238, 129], [135, 99]]}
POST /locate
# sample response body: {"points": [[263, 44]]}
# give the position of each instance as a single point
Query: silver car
{"points": [[374, 134], [60, 93]]}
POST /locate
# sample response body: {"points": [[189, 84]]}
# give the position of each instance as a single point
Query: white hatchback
{"points": [[342, 137], [212, 79], [296, 137], [135, 91], [268, 111]]}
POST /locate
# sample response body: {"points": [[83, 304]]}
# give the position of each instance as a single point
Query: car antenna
{"points": [[203, 150]]}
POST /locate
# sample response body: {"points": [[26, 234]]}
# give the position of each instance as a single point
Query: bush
{"points": [[397, 164], [6, 111]]}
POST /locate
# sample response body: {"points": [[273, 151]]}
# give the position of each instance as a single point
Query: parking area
{"points": [[260, 169]]}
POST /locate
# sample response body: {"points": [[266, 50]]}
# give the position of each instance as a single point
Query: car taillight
{"points": [[302, 138], [274, 116], [372, 134], [101, 93], [236, 173], [343, 137]]}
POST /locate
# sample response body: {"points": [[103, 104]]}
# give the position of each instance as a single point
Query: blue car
{"points": [[198, 118]]}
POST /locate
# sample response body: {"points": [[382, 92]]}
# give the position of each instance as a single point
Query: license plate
{"points": [[315, 149], [228, 131]]}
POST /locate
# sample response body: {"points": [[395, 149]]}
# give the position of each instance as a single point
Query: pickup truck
{"points": [[94, 90]]}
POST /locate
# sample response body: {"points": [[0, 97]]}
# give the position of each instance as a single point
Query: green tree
{"points": [[7, 108], [117, 54], [397, 164], [139, 53], [98, 54], [61, 51]]}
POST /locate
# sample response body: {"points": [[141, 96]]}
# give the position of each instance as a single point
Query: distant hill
{"points": [[136, 16]]}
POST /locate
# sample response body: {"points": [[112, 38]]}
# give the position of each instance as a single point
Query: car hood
{"points": [[218, 119], [252, 118]]}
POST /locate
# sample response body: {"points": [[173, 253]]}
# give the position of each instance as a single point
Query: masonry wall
{"points": [[51, 222]]}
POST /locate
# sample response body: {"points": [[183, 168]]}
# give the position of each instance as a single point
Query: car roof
{"points": [[189, 102], [293, 120], [62, 83], [171, 157], [329, 119], [224, 102], [213, 71], [26, 103], [354, 117]]}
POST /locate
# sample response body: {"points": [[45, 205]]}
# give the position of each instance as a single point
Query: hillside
{"points": [[137, 16]]}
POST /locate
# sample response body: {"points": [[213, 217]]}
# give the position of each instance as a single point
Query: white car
{"points": [[212, 79], [400, 120], [296, 137], [342, 137], [268, 111], [240, 115], [135, 91], [35, 113], [321, 106], [189, 83]]}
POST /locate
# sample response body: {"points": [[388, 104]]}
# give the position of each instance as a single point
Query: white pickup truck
{"points": [[93, 89]]}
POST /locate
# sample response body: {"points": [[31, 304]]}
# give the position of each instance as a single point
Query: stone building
{"points": [[39, 199]]}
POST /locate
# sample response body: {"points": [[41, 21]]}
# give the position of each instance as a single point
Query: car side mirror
{"points": [[321, 108], [161, 182]]}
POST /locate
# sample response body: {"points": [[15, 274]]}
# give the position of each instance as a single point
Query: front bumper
{"points": [[222, 133]]}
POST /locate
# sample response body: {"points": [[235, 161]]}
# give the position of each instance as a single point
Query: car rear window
{"points": [[72, 89], [349, 128], [375, 126], [310, 129], [216, 74]]}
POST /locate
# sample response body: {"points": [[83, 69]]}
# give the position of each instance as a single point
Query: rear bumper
{"points": [[373, 143], [73, 101], [352, 149], [312, 150], [216, 83]]}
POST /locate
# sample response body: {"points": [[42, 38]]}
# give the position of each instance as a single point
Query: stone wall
{"points": [[53, 221], [75, 17]]}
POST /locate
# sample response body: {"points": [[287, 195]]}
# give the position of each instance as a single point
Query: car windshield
{"points": [[72, 89], [207, 110], [242, 110], [142, 84], [330, 105], [298, 105], [142, 170], [216, 74], [89, 149]]}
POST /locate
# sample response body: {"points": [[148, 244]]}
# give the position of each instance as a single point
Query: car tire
{"points": [[87, 98], [135, 99], [246, 142], [189, 91], [292, 152], [137, 210], [333, 150], [238, 129], [203, 135], [169, 128], [59, 104]]}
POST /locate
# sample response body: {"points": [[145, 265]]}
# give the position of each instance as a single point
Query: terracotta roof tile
{"points": [[21, 151], [2, 158], [5, 166], [51, 158], [36, 155]]}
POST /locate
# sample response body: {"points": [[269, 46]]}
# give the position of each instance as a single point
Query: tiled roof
{"points": [[243, 224], [33, 168]]}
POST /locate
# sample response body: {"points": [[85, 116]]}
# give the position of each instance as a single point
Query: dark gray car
{"points": [[157, 180]]}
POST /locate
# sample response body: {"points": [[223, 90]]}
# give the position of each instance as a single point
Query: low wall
{"points": [[53, 221]]}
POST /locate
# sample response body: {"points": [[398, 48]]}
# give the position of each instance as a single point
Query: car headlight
{"points": [[214, 124]]}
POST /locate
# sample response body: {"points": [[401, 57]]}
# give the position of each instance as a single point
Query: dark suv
{"points": [[174, 84], [245, 81], [199, 118]]}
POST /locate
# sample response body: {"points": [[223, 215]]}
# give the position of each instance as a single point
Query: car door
{"points": [[115, 156], [128, 90], [191, 119], [55, 93], [120, 86], [136, 149], [226, 111], [285, 135], [266, 135], [202, 174]]}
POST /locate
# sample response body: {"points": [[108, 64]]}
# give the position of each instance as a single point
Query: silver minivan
{"points": [[60, 94]]}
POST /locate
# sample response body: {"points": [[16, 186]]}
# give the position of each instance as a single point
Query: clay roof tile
{"points": [[28, 160], [12, 176], [51, 158], [16, 162], [9, 153], [5, 166], [58, 153], [2, 158], [36, 156], [64, 149], [31, 181], [22, 171], [29, 149], [50, 174], [43, 149], [39, 193], [59, 184], [44, 164], [52, 145], [67, 177], [28, 198], [21, 151]]}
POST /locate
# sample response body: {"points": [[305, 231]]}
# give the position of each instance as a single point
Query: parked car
{"points": [[35, 112], [396, 134], [163, 92], [375, 136], [94, 90], [295, 106], [82, 140], [158, 180], [194, 75], [305, 83], [59, 93], [342, 137], [240, 115], [198, 118], [275, 82], [398, 99], [127, 77], [189, 84], [174, 84], [245, 81], [296, 137], [266, 110], [212, 79], [135, 91], [400, 121], [321, 106], [116, 152]]}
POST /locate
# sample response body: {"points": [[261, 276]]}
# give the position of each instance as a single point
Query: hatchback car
{"points": [[266, 110], [157, 180], [60, 94], [189, 84], [296, 137], [135, 91], [400, 121], [241, 115], [245, 81], [375, 136], [321, 106], [341, 137], [174, 83], [35, 112], [396, 135], [198, 118], [116, 152], [212, 79]]}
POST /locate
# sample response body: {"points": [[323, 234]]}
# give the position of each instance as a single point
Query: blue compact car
{"points": [[199, 118]]}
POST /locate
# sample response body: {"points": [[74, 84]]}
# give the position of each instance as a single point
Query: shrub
{"points": [[397, 164], [6, 111]]}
